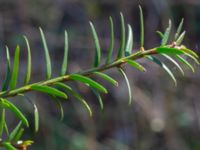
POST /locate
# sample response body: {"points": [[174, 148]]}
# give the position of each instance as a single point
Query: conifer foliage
{"points": [[171, 49]]}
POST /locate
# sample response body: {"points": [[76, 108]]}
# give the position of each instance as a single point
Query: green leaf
{"points": [[8, 146], [135, 65], [6, 104], [188, 51], [166, 34], [49, 90], [36, 118], [59, 105], [106, 77], [180, 38], [129, 45], [6, 129], [65, 57], [185, 62], [27, 143], [36, 113], [122, 41], [96, 93], [8, 72], [2, 121], [86, 106], [141, 27], [14, 77], [162, 65], [161, 35], [13, 134], [111, 46], [193, 58], [179, 29], [28, 69], [128, 85], [89, 81], [19, 135], [169, 51], [76, 95], [98, 48], [47, 57], [174, 62]]}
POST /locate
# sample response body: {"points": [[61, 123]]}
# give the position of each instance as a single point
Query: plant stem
{"points": [[116, 63]]}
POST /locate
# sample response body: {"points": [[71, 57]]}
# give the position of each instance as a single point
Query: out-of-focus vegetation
{"points": [[161, 117]]}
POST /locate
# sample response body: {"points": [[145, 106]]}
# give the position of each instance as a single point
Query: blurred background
{"points": [[161, 117]]}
